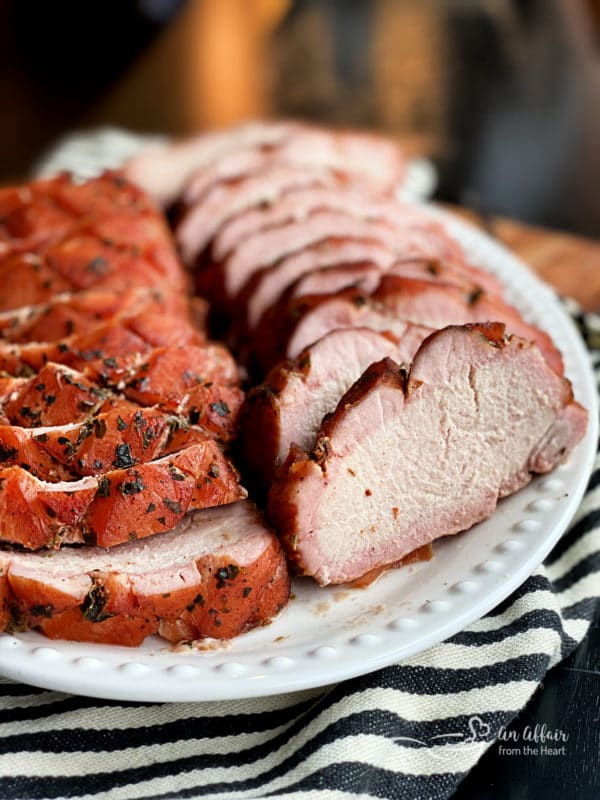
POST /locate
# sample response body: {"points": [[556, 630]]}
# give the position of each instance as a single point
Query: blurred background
{"points": [[503, 95]]}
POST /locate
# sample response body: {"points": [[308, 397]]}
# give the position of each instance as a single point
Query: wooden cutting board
{"points": [[570, 263]]}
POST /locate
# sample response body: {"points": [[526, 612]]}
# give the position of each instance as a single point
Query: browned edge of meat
{"points": [[289, 405], [288, 328]]}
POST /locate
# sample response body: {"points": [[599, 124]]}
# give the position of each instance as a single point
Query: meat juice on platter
{"points": [[393, 394]]}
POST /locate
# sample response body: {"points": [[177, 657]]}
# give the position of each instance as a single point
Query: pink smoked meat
{"points": [[404, 459], [289, 406]]}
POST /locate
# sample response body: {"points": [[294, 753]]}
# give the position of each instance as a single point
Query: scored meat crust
{"points": [[119, 505]]}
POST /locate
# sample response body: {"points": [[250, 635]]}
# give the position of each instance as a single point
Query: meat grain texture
{"points": [[406, 458]]}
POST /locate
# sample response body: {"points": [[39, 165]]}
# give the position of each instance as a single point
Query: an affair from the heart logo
{"points": [[531, 741], [477, 731]]}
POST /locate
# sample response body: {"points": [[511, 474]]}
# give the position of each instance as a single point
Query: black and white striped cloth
{"points": [[410, 731]]}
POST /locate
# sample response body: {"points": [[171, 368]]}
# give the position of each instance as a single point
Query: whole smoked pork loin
{"points": [[218, 573], [405, 459], [115, 415]]}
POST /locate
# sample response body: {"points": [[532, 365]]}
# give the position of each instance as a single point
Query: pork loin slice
{"points": [[118, 506], [121, 242], [58, 395], [289, 406], [365, 277], [397, 300], [362, 275], [405, 460], [34, 401], [298, 203], [94, 233], [164, 170], [368, 156], [375, 163], [226, 199], [270, 285], [219, 573], [26, 280], [79, 264], [292, 327], [437, 304], [266, 248], [143, 238], [113, 352], [47, 208]]}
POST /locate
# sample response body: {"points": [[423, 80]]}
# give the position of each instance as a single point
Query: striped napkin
{"points": [[410, 731]]}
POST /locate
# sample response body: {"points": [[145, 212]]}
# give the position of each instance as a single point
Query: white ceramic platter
{"points": [[326, 635]]}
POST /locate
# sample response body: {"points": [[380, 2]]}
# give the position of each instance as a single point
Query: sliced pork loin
{"points": [[299, 204], [110, 352], [376, 164], [405, 460], [283, 281], [366, 276], [437, 304], [32, 402], [60, 236], [218, 573], [164, 171], [288, 329], [47, 209], [253, 299], [289, 406], [267, 247], [427, 304], [362, 275], [78, 264], [58, 395], [120, 505], [267, 286], [229, 198]]}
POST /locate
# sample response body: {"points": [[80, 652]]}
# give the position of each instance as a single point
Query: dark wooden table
{"points": [[569, 699]]}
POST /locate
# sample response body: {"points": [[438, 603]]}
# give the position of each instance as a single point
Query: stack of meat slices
{"points": [[116, 414], [330, 287]]}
